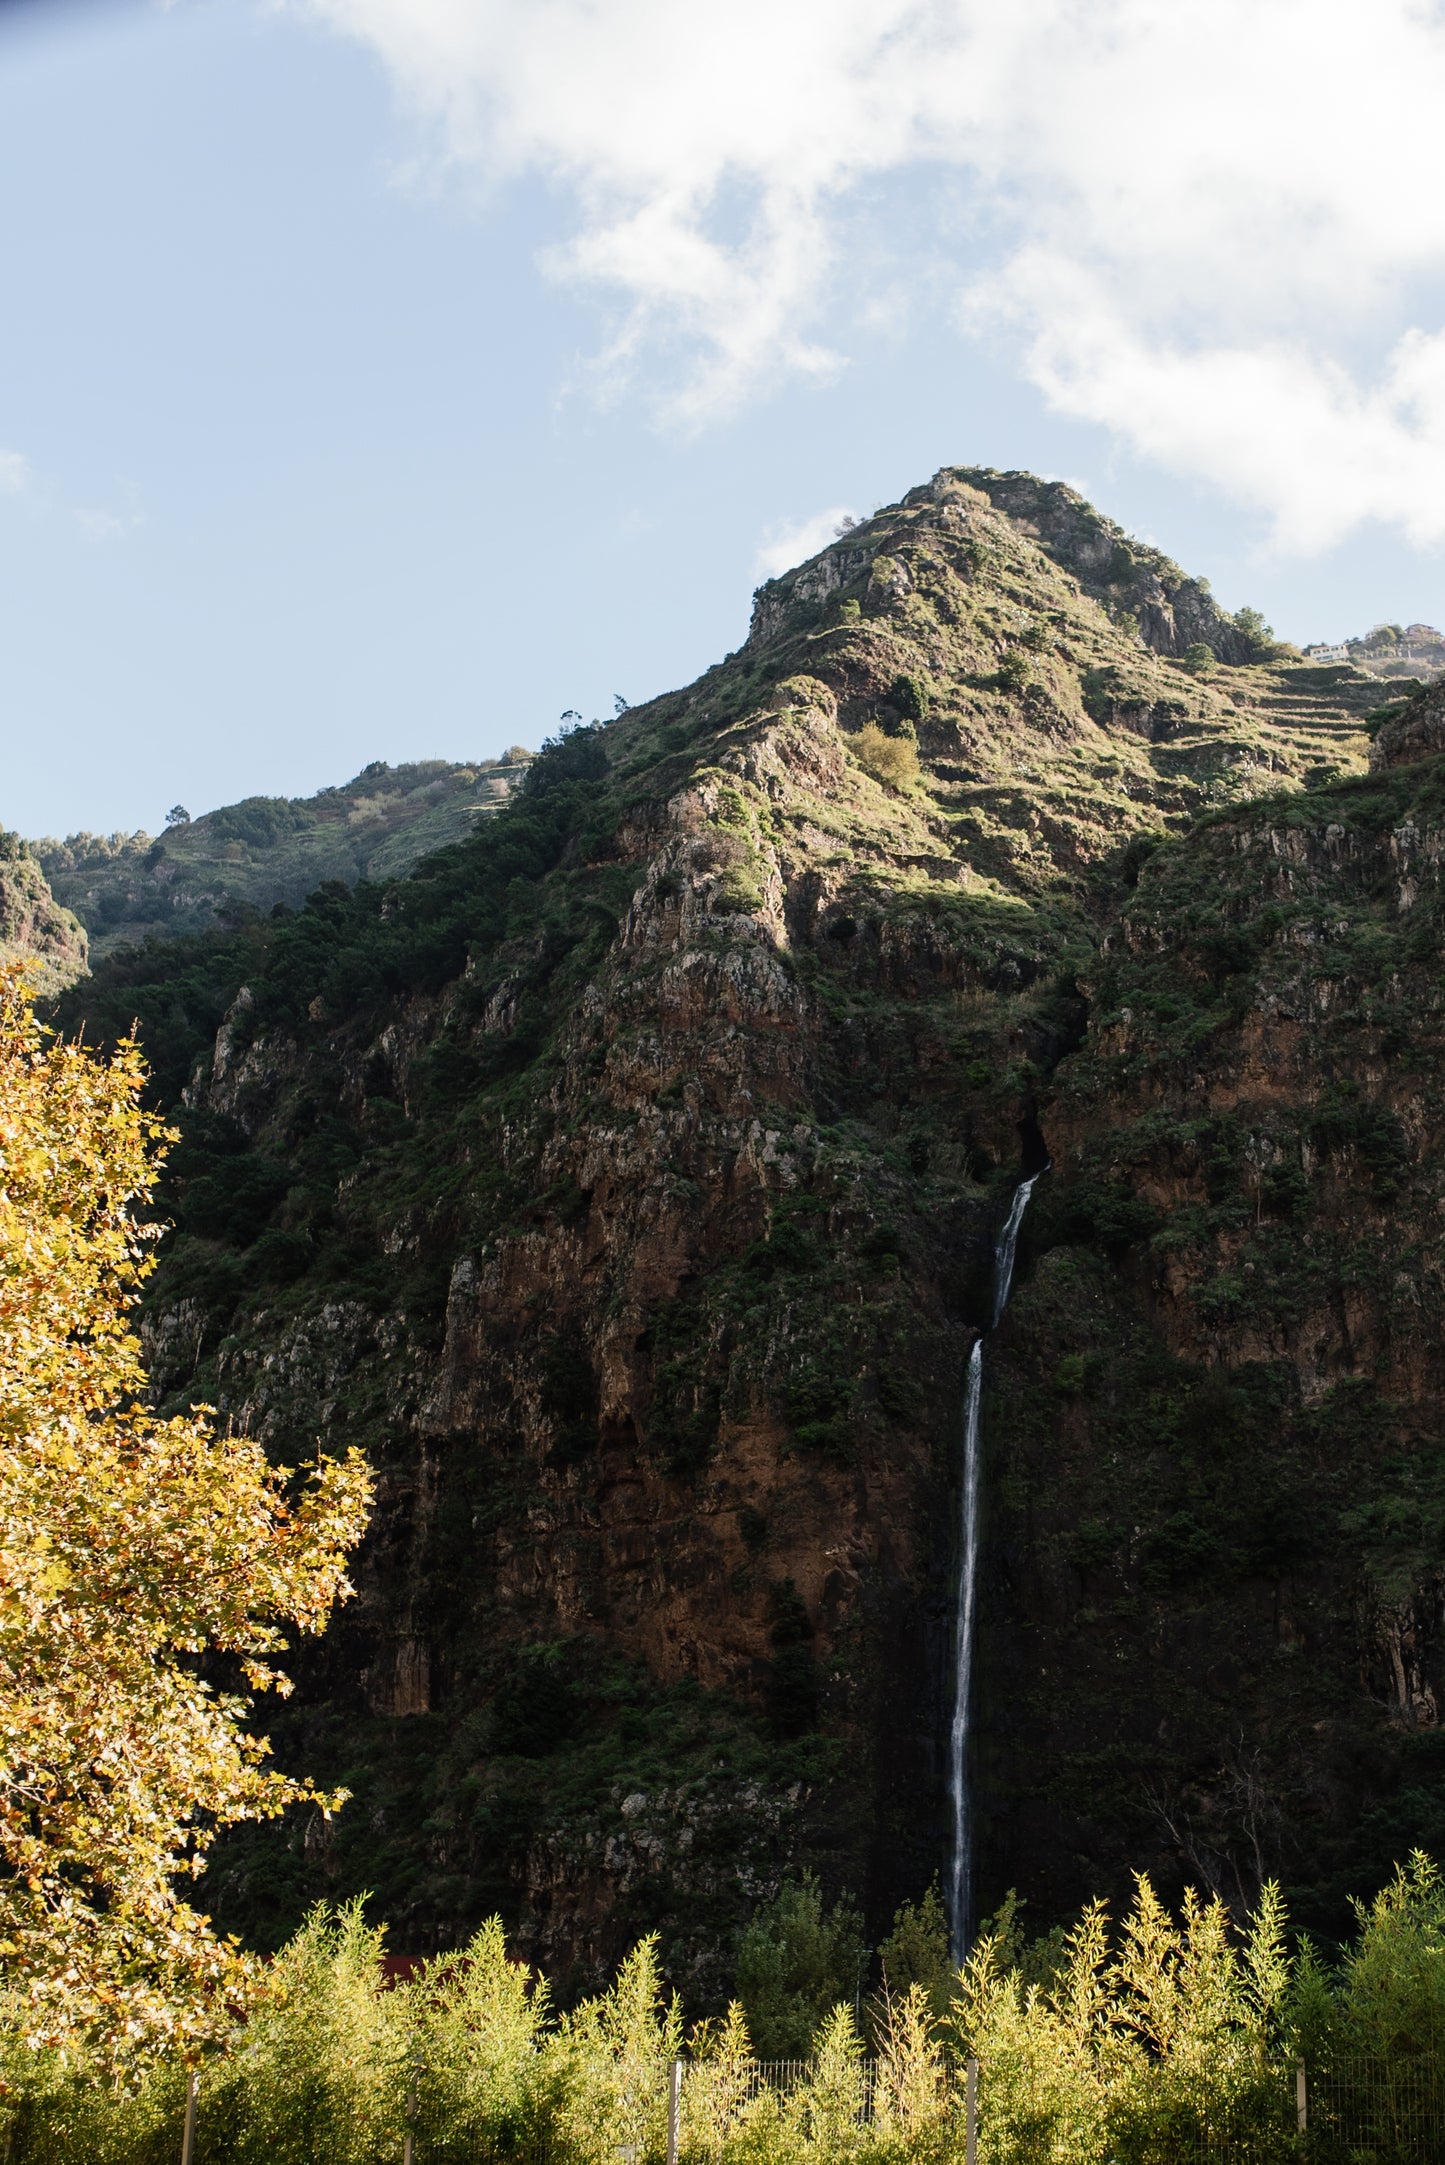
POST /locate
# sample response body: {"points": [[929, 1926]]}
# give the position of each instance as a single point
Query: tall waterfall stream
{"points": [[960, 1871]]}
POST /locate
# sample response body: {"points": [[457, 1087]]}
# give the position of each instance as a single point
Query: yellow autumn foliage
{"points": [[893, 760], [130, 1546]]}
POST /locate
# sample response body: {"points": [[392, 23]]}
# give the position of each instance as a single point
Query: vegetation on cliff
{"points": [[1224, 1376], [624, 1180], [34, 929], [247, 857]]}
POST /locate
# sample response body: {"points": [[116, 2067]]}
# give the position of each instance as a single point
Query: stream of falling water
{"points": [[960, 1870]]}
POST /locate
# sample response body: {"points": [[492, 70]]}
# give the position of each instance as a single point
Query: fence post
{"points": [[188, 2134], [970, 2116], [674, 2110], [411, 2104], [1301, 2097]]}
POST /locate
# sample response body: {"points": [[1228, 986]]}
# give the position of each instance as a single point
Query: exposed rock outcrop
{"points": [[1173, 611], [33, 926], [1417, 731]]}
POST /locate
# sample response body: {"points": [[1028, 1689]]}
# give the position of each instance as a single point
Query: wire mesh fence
{"points": [[438, 2134], [1260, 2128], [1363, 2111], [443, 2136], [784, 2077], [1382, 2110], [1385, 2110]]}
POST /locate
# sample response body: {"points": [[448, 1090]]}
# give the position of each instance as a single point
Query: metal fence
{"points": [[437, 2136], [434, 2140], [1365, 2111], [783, 2077], [1377, 2111]]}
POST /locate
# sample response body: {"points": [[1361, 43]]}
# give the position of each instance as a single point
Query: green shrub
{"points": [[787, 1246], [1138, 2054], [916, 1954], [476, 2067], [319, 2070], [796, 1961], [911, 696], [818, 1403], [258, 822], [536, 1707], [1164, 2039], [1258, 635], [891, 760], [1072, 1374], [1345, 1120]]}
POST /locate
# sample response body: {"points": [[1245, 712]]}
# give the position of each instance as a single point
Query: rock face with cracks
{"points": [[625, 1178]]}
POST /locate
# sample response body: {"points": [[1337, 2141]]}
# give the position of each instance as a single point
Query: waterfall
{"points": [[1007, 1248], [962, 1857], [960, 1870]]}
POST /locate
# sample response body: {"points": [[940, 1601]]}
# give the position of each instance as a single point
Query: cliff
{"points": [[34, 927], [625, 1179]]}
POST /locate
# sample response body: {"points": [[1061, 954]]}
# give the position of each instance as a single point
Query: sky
{"points": [[380, 379]]}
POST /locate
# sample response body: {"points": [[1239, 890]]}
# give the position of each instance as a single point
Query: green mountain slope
{"points": [[265, 850], [625, 1179], [33, 926]]}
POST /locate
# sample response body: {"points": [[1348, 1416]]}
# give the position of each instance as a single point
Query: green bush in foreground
{"points": [[795, 1965], [1140, 2046]]}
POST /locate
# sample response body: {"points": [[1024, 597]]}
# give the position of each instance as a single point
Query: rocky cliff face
{"points": [[1221, 1460], [33, 926], [625, 1179], [1128, 577]]}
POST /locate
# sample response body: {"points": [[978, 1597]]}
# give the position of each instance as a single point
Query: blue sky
{"points": [[381, 377]]}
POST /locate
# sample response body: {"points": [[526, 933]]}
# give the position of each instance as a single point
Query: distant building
{"points": [[1422, 635], [1327, 653]]}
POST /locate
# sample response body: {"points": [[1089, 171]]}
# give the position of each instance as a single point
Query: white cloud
{"points": [[794, 541], [1217, 227], [99, 525], [18, 477]]}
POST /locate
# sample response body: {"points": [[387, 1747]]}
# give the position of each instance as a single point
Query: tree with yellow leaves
{"points": [[130, 1547]]}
